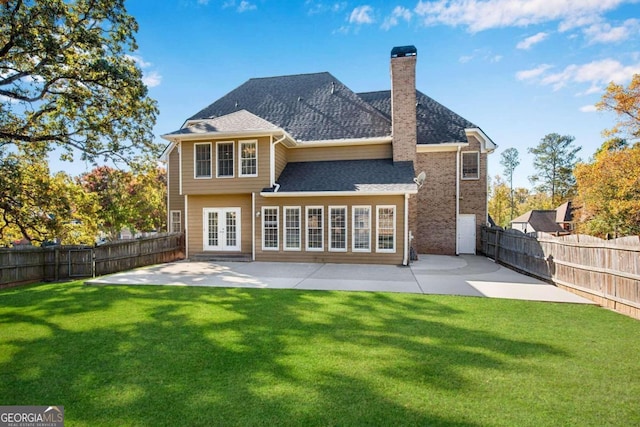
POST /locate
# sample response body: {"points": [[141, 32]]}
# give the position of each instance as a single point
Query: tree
{"points": [[510, 162], [134, 200], [499, 196], [36, 207], [609, 190], [66, 80], [625, 102], [555, 159]]}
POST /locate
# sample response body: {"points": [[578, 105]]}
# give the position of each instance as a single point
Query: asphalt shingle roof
{"points": [[239, 121], [310, 107], [540, 220], [347, 175], [436, 123]]}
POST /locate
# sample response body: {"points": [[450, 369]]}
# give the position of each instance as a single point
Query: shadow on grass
{"points": [[201, 356]]}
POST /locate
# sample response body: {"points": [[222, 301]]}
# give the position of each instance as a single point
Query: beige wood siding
{"points": [[176, 200], [197, 203], [348, 256], [355, 152], [281, 159], [235, 185]]}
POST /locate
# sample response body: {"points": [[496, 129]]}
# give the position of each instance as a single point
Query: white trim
{"points": [[353, 228], [346, 229], [195, 160], [335, 193], [240, 143], [255, 133], [171, 212], [392, 250], [475, 178], [488, 146], [265, 248], [179, 167], [253, 226], [443, 147], [222, 223], [284, 228], [233, 163], [306, 216], [457, 195], [186, 226], [407, 243]]}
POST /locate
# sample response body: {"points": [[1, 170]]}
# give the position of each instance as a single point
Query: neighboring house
{"points": [[558, 221], [300, 168]]}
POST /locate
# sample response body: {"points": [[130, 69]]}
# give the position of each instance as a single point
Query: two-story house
{"points": [[301, 168]]}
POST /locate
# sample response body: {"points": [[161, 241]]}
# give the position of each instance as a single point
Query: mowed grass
{"points": [[167, 356]]}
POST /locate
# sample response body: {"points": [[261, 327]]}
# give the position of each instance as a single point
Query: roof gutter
{"points": [[335, 193]]}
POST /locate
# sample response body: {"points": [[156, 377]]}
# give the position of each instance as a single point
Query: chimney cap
{"points": [[400, 51]]}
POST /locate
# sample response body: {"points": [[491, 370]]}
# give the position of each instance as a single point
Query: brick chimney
{"points": [[403, 103]]}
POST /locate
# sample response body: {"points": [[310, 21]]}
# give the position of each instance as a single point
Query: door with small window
{"points": [[221, 229]]}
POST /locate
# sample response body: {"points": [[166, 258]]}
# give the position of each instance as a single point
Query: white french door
{"points": [[221, 229]]}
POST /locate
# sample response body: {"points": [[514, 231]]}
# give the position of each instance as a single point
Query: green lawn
{"points": [[175, 356]]}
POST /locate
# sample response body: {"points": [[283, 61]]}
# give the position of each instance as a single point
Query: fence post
{"points": [[497, 246]]}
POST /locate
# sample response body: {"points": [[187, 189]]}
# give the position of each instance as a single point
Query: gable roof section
{"points": [[309, 107], [360, 176], [436, 123], [540, 220], [240, 121]]}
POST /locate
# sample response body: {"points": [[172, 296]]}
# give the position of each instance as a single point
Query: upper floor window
{"points": [[470, 165], [202, 160], [225, 159], [248, 158]]}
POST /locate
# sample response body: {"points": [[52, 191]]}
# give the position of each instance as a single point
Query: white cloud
{"points": [[588, 108], [398, 13], [152, 79], [532, 40], [315, 7], [479, 15], [596, 73], [139, 61], [481, 54], [361, 15], [533, 73], [603, 32], [243, 6]]}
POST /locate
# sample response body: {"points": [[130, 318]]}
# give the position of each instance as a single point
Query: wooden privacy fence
{"points": [[33, 264], [605, 271]]}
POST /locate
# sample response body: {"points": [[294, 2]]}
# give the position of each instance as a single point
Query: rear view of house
{"points": [[301, 168]]}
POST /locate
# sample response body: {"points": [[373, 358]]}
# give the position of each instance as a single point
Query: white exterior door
{"points": [[466, 234], [221, 229]]}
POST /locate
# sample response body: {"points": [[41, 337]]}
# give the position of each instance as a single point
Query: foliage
{"points": [[129, 200], [510, 161], [555, 159], [499, 202], [625, 103], [609, 191], [150, 355], [66, 80], [36, 207]]}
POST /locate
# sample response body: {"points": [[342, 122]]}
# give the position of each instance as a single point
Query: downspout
{"points": [[458, 198], [186, 226], [407, 242], [253, 226]]}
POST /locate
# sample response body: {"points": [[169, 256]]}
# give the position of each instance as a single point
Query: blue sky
{"points": [[519, 69]]}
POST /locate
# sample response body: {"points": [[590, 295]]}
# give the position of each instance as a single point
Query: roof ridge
{"points": [[292, 75]]}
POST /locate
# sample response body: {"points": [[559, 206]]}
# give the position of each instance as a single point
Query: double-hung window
{"points": [[292, 228], [315, 229], [337, 228], [470, 165], [176, 222], [202, 160], [270, 228], [386, 229], [248, 158], [225, 160], [361, 227]]}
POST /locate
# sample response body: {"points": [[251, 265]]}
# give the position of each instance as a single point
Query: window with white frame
{"points": [[270, 228], [361, 228], [315, 229], [176, 222], [386, 229], [337, 228], [225, 159], [202, 160], [470, 165], [292, 228], [248, 158]]}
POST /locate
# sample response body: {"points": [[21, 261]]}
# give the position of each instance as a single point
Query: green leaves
{"points": [[66, 79]]}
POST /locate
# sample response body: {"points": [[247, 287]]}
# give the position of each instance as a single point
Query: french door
{"points": [[221, 229]]}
